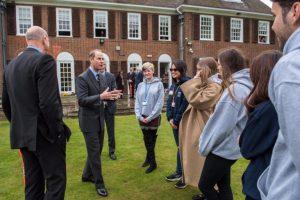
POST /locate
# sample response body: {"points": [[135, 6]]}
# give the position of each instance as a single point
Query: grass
{"points": [[124, 178]]}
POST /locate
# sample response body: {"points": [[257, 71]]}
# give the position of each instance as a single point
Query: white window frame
{"points": [[241, 32], [57, 22], [139, 28], [66, 58], [18, 18], [268, 32], [95, 12], [169, 27], [212, 35]]}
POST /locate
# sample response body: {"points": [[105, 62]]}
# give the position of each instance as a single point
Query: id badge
{"points": [[173, 104], [171, 92], [144, 103]]}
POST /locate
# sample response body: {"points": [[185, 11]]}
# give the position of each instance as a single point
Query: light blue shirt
{"points": [[36, 48], [95, 73]]}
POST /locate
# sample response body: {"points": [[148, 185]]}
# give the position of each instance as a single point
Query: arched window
{"points": [[107, 61], [164, 62], [134, 60], [65, 73]]}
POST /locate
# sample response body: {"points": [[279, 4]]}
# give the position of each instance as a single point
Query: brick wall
{"points": [[79, 47]]}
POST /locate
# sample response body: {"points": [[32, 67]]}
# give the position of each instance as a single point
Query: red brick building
{"points": [[134, 31]]}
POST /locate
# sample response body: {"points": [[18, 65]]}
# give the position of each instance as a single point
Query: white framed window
{"points": [[24, 19], [100, 24], [206, 27], [64, 22], [236, 30], [134, 26], [65, 73], [263, 32], [164, 27]]}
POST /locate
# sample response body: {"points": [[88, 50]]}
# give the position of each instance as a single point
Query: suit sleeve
{"points": [[84, 100], [49, 100], [5, 100]]}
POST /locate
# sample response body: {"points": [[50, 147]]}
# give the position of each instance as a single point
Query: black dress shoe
{"points": [[113, 156], [90, 179], [102, 191]]}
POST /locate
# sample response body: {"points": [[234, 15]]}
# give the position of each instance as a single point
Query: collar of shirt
{"points": [[94, 72], [34, 47]]}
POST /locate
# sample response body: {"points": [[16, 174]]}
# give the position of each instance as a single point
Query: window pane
{"points": [[206, 27], [164, 27], [134, 25], [64, 22], [24, 18]]}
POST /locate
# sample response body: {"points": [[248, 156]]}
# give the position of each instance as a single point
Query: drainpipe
{"points": [[2, 30], [181, 22]]}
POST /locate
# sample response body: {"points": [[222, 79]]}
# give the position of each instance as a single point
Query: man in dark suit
{"points": [[32, 104], [92, 91], [109, 112]]}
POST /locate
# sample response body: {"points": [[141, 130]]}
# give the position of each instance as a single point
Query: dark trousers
{"points": [[110, 129], [178, 165], [216, 171], [249, 198], [150, 141], [45, 169], [94, 144]]}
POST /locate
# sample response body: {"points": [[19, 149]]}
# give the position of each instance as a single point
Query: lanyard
{"points": [[174, 93], [147, 88]]}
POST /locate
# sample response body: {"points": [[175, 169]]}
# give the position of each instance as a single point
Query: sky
{"points": [[268, 2]]}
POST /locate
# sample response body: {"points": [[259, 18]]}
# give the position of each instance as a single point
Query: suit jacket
{"points": [[91, 109], [31, 100], [111, 83]]}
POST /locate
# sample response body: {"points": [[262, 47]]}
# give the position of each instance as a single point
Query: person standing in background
{"points": [[120, 82], [110, 108]]}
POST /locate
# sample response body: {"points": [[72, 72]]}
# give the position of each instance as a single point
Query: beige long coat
{"points": [[202, 98]]}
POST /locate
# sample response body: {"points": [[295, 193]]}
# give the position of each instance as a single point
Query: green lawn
{"points": [[124, 178]]}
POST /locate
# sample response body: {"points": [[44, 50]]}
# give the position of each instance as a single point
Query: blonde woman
{"points": [[202, 92], [148, 106]]}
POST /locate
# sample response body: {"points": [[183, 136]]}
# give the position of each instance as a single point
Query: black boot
{"points": [[152, 160]]}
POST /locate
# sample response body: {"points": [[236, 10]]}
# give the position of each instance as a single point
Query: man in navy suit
{"points": [[92, 93], [32, 104]]}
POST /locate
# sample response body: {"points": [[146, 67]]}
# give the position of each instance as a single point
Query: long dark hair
{"points": [[180, 65], [231, 60], [260, 71]]}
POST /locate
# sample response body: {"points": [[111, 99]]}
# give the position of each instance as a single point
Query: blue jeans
{"points": [[178, 166]]}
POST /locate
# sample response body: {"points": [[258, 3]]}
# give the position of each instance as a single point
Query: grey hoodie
{"points": [[221, 132], [154, 99], [281, 180]]}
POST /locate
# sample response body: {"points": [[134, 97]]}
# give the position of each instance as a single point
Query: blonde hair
{"points": [[148, 65]]}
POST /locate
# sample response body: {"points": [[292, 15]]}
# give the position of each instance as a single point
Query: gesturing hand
{"points": [[112, 95]]}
